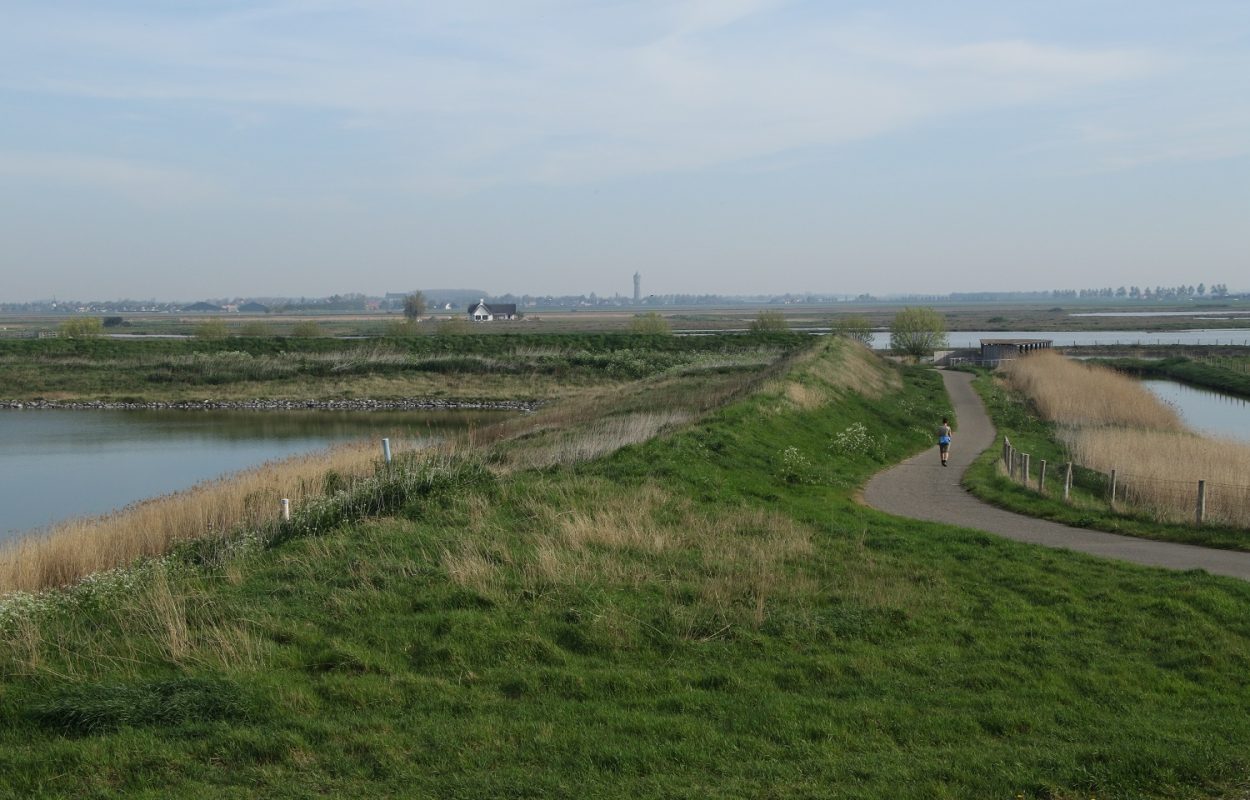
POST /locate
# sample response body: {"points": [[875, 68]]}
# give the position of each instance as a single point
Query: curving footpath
{"points": [[920, 488]]}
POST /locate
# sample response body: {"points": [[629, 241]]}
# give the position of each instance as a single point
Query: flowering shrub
{"points": [[795, 467], [94, 591], [856, 440]]}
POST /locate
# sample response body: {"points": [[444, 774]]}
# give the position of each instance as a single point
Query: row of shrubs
{"points": [[493, 344]]}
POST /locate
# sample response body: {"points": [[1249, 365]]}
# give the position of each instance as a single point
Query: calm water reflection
{"points": [[55, 465], [1207, 336], [1208, 412]]}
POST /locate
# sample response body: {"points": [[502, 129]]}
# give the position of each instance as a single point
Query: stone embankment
{"points": [[407, 404]]}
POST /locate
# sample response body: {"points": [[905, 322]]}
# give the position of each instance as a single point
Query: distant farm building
{"points": [[996, 351], [202, 307], [481, 312]]}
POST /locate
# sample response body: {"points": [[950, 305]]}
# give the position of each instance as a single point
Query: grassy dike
{"points": [[707, 613], [1087, 508]]}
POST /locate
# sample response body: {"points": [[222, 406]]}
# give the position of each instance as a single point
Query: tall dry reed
{"points": [[68, 552], [1109, 421], [1160, 470], [1072, 393]]}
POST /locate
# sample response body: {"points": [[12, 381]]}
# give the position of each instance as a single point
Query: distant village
{"points": [[452, 300]]}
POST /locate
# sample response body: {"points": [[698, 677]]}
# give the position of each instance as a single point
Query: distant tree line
{"points": [[1147, 293], [354, 301]]}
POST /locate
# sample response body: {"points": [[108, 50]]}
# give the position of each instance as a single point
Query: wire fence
{"points": [[1200, 502]]}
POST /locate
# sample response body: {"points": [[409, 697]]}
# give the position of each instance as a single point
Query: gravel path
{"points": [[920, 488]]}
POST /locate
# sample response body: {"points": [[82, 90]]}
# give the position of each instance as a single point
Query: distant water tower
{"points": [[637, 287]]}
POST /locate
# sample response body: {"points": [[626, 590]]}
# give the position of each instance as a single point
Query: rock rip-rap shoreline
{"points": [[405, 404]]}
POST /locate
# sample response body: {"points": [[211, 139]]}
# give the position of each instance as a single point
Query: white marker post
{"points": [[286, 510], [386, 451]]}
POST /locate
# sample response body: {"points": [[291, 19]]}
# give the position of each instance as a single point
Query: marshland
{"points": [[655, 584]]}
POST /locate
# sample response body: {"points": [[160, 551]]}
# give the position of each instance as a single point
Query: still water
{"points": [[1208, 412], [964, 339], [55, 465]]}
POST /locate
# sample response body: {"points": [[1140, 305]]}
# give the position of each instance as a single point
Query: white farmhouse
{"points": [[480, 312]]}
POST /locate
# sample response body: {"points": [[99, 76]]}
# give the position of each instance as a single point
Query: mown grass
{"points": [[1088, 505], [684, 618]]}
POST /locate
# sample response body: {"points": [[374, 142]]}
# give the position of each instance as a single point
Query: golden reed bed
{"points": [[74, 549], [1110, 421]]}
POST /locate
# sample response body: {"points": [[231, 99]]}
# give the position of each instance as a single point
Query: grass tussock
{"points": [[833, 369], [588, 442], [598, 422], [68, 552], [1071, 393], [590, 534]]}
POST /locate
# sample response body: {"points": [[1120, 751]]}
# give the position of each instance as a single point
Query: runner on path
{"points": [[913, 490], [944, 441]]}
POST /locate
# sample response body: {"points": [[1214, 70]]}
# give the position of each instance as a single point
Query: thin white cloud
{"points": [[688, 17], [552, 91], [140, 180]]}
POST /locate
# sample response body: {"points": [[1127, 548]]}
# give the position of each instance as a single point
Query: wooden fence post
{"points": [[1112, 500], [1011, 464], [1067, 481], [1041, 477], [1202, 502], [1024, 474]]}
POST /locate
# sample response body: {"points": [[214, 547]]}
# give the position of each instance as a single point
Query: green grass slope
{"points": [[707, 614]]}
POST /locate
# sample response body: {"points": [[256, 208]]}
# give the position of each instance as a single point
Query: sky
{"points": [[189, 149]]}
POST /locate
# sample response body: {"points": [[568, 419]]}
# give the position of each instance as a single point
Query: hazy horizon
{"points": [[737, 147]]}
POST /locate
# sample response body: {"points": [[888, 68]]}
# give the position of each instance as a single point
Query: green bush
{"points": [[212, 329], [769, 321], [82, 327], [854, 327], [650, 323], [917, 332]]}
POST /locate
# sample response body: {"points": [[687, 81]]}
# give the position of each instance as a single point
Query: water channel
{"points": [[1207, 412], [1205, 336], [55, 465]]}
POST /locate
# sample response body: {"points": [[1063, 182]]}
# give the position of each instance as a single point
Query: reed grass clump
{"points": [[1159, 470], [70, 551], [1072, 393], [1109, 421]]}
